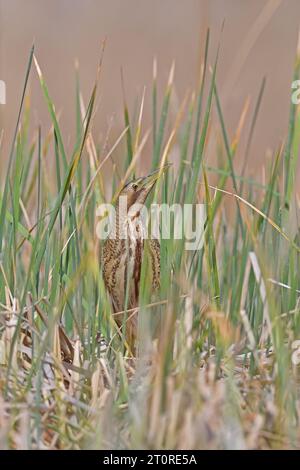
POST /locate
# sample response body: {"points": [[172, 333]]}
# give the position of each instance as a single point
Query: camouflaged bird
{"points": [[122, 254]]}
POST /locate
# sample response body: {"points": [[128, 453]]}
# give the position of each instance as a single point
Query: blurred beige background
{"points": [[259, 39]]}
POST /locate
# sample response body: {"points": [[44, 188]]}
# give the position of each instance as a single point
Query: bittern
{"points": [[122, 255]]}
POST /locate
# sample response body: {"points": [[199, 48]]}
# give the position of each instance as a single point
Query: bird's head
{"points": [[138, 189]]}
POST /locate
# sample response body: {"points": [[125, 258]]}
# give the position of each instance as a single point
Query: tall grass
{"points": [[220, 374]]}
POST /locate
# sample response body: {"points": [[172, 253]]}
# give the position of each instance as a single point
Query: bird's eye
{"points": [[134, 187]]}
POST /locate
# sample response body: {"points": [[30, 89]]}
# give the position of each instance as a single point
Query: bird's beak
{"points": [[146, 183]]}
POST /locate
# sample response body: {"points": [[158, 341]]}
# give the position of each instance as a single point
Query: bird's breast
{"points": [[121, 268]]}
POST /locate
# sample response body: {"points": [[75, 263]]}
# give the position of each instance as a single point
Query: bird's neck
{"points": [[128, 224]]}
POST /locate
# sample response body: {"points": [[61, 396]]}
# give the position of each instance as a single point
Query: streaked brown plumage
{"points": [[122, 256]]}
